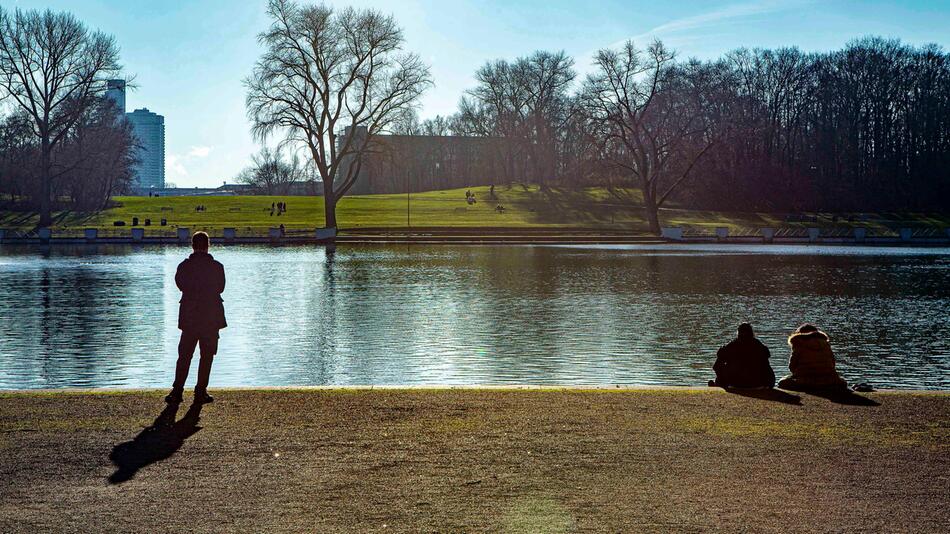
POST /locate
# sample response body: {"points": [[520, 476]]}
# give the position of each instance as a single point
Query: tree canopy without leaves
{"points": [[54, 69], [650, 118], [323, 70], [863, 128], [527, 102], [271, 173]]}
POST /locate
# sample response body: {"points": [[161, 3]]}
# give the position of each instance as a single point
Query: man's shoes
{"points": [[202, 397], [174, 397]]}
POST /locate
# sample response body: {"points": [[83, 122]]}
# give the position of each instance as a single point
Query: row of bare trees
{"points": [[866, 127], [60, 139], [863, 128], [528, 103], [273, 172]]}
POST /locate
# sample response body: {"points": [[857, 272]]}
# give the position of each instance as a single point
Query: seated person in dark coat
{"points": [[744, 362], [201, 314]]}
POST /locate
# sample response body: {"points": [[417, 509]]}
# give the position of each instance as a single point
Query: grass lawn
{"points": [[475, 460], [525, 208]]}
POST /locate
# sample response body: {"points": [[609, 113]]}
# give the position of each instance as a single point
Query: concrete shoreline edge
{"points": [[492, 239], [433, 387], [932, 236]]}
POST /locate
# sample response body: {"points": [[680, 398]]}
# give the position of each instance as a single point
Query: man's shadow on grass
{"points": [[155, 443]]}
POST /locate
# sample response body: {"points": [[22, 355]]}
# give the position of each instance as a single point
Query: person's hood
{"points": [[808, 338]]}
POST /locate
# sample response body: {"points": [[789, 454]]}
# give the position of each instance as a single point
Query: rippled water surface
{"points": [[374, 314]]}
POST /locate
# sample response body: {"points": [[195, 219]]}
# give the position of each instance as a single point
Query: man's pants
{"points": [[186, 350]]}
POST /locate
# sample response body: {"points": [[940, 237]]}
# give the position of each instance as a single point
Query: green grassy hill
{"points": [[524, 207]]}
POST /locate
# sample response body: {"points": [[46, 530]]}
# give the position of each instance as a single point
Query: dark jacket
{"points": [[201, 281], [744, 362]]}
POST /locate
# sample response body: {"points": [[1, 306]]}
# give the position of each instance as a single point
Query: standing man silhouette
{"points": [[201, 314]]}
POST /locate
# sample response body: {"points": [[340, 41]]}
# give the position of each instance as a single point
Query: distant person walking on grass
{"points": [[812, 362], [200, 316], [744, 362]]}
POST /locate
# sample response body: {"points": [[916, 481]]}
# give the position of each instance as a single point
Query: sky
{"points": [[189, 57]]}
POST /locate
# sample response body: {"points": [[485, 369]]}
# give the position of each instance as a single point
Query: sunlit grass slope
{"points": [[523, 207]]}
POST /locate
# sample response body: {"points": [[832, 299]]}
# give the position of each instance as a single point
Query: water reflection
{"points": [[107, 315]]}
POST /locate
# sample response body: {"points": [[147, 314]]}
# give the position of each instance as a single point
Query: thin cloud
{"points": [[718, 16], [199, 151], [174, 166]]}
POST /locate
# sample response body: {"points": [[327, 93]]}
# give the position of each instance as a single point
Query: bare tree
{"points": [[17, 154], [526, 102], [651, 119], [271, 174], [53, 68], [547, 78], [93, 161], [323, 70], [409, 123], [96, 157]]}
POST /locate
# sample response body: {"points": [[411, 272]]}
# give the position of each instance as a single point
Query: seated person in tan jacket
{"points": [[812, 362]]}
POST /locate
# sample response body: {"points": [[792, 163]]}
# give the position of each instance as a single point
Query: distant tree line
{"points": [[62, 143], [273, 172], [863, 128]]}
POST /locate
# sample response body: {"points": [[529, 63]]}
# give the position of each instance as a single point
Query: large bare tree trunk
{"points": [[329, 207], [653, 218], [651, 209], [46, 211]]}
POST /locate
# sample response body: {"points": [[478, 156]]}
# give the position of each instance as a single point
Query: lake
{"points": [[106, 316]]}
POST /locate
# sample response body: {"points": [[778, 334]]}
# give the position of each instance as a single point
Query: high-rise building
{"points": [[149, 129], [115, 91]]}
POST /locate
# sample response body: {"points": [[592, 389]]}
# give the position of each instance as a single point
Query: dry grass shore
{"points": [[483, 460]]}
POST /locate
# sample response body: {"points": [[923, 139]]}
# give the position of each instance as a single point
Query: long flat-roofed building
{"points": [[397, 163], [149, 129]]}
